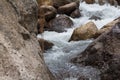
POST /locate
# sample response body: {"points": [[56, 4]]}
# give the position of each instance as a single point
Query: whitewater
{"points": [[58, 58]]}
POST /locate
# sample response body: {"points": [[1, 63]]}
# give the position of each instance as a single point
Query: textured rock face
{"points": [[104, 54], [20, 54]]}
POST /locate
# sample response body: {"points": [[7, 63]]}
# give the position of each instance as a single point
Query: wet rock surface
{"points": [[75, 14], [45, 45], [104, 54]]}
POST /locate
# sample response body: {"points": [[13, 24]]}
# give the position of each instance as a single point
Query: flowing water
{"points": [[58, 58]]}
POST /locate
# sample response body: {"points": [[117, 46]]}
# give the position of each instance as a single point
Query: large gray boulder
{"points": [[104, 54], [20, 54], [59, 24]]}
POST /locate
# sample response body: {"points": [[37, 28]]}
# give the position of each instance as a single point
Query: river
{"points": [[58, 58]]}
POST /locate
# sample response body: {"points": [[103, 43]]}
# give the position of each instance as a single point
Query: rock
{"points": [[107, 27], [75, 14], [20, 54], [118, 1], [95, 17], [40, 25], [59, 24], [101, 2], [48, 12], [84, 32], [113, 2], [89, 1], [104, 54], [45, 2], [58, 3], [45, 45], [67, 9]]}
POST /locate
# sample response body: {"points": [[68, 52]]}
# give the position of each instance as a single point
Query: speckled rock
{"points": [[20, 54]]}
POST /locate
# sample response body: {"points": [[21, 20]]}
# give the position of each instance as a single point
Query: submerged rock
{"points": [[84, 32], [104, 54], [45, 45], [59, 24], [75, 14], [95, 17], [20, 54]]}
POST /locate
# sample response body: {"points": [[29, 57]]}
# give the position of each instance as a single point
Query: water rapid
{"points": [[58, 58]]}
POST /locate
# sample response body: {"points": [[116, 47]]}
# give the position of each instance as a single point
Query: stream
{"points": [[58, 58]]}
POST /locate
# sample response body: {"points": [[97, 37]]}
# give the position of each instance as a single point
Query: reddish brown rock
{"points": [[68, 8], [48, 12], [58, 3]]}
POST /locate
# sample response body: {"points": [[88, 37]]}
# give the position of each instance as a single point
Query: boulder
{"points": [[118, 1], [58, 3], [20, 54], [68, 8], [45, 45], [101, 2], [49, 12], [89, 1], [59, 24], [113, 2], [84, 32], [107, 27], [75, 14], [103, 54]]}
